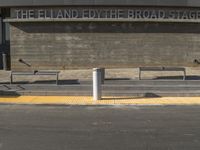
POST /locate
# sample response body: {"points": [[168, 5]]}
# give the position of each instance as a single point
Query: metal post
{"points": [[102, 75], [139, 74], [4, 62], [57, 79], [11, 78], [96, 84], [184, 75]]}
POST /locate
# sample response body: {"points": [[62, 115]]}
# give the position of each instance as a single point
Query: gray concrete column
{"points": [[97, 84]]}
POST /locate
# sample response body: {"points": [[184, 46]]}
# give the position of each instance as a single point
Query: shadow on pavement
{"points": [[12, 94], [60, 82], [178, 77], [146, 95], [108, 79]]}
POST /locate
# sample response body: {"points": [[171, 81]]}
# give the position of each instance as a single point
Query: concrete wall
{"points": [[11, 3], [111, 45]]}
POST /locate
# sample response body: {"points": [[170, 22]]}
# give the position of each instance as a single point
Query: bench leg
{"points": [[57, 79], [184, 76], [139, 74], [11, 79]]}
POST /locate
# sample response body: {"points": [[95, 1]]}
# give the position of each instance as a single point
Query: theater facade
{"points": [[59, 35]]}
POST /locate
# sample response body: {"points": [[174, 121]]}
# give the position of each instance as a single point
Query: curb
{"points": [[88, 101]]}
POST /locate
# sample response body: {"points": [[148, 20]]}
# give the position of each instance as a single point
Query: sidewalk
{"points": [[83, 100], [123, 84], [125, 73]]}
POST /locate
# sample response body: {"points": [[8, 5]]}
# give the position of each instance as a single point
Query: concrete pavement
{"points": [[119, 82]]}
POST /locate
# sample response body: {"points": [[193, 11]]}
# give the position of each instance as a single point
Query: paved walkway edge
{"points": [[83, 100]]}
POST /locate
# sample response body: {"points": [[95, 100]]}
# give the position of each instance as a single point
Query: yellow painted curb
{"points": [[84, 100]]}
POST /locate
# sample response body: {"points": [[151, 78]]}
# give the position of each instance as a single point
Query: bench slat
{"points": [[19, 73], [55, 73], [162, 69]]}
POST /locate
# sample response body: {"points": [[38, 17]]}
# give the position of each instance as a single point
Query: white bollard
{"points": [[96, 84]]}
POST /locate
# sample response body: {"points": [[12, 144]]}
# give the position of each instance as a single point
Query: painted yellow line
{"points": [[84, 100]]}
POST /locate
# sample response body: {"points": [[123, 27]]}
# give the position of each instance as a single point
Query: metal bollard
{"points": [[97, 84], [4, 62]]}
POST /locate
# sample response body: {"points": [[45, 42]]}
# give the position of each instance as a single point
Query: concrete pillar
{"points": [[5, 67], [97, 84]]}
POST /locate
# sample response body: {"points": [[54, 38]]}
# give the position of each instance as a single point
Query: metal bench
{"points": [[32, 73], [162, 69]]}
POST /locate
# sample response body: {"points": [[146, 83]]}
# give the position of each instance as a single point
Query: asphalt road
{"points": [[99, 128]]}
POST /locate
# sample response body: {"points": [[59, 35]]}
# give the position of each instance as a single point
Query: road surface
{"points": [[31, 127]]}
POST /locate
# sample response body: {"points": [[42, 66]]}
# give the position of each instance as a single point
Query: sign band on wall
{"points": [[105, 13]]}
